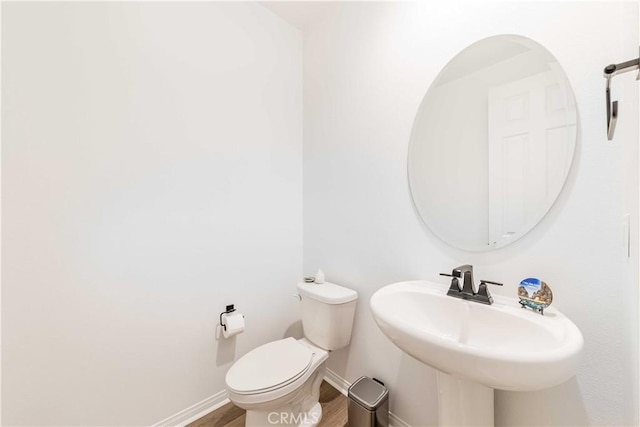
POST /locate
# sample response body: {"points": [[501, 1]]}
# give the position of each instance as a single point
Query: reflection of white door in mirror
{"points": [[492, 143], [523, 177]]}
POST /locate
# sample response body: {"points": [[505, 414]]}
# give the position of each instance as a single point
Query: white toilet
{"points": [[278, 383]]}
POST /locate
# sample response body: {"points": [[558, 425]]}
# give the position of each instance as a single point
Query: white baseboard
{"points": [[196, 411], [336, 381], [395, 421], [342, 386]]}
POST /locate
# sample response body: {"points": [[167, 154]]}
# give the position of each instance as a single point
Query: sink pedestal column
{"points": [[463, 403]]}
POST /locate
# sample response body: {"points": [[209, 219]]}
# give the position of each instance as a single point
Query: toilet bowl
{"points": [[278, 383]]}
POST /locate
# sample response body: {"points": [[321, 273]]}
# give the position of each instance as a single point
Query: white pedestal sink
{"points": [[475, 347]]}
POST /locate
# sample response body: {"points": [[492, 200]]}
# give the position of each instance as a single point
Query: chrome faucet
{"points": [[468, 290]]}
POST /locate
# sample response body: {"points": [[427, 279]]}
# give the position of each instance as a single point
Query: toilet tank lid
{"points": [[328, 293]]}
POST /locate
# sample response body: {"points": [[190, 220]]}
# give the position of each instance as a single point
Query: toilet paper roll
{"points": [[234, 324]]}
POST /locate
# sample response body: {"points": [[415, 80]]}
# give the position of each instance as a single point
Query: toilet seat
{"points": [[269, 367]]}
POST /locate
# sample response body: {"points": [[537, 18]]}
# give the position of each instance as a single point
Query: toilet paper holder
{"points": [[229, 309]]}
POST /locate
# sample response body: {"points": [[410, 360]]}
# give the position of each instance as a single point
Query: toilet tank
{"points": [[327, 313]]}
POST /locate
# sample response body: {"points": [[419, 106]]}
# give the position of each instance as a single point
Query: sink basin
{"points": [[500, 346]]}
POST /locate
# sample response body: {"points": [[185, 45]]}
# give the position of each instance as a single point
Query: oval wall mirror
{"points": [[492, 143]]}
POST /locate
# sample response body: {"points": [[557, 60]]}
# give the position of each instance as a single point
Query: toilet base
{"points": [[285, 416], [301, 410]]}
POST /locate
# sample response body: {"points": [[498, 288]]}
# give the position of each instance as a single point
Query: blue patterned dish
{"points": [[535, 294]]}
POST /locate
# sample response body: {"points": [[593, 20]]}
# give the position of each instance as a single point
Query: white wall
{"points": [[151, 174], [366, 69]]}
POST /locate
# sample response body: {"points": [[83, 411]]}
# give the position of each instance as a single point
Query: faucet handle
{"points": [[454, 289], [483, 292], [488, 282]]}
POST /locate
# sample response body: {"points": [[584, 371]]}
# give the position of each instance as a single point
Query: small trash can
{"points": [[368, 403]]}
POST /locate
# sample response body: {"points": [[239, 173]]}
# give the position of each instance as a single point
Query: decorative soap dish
{"points": [[535, 294]]}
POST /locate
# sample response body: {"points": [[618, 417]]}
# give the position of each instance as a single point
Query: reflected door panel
{"points": [[524, 177]]}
